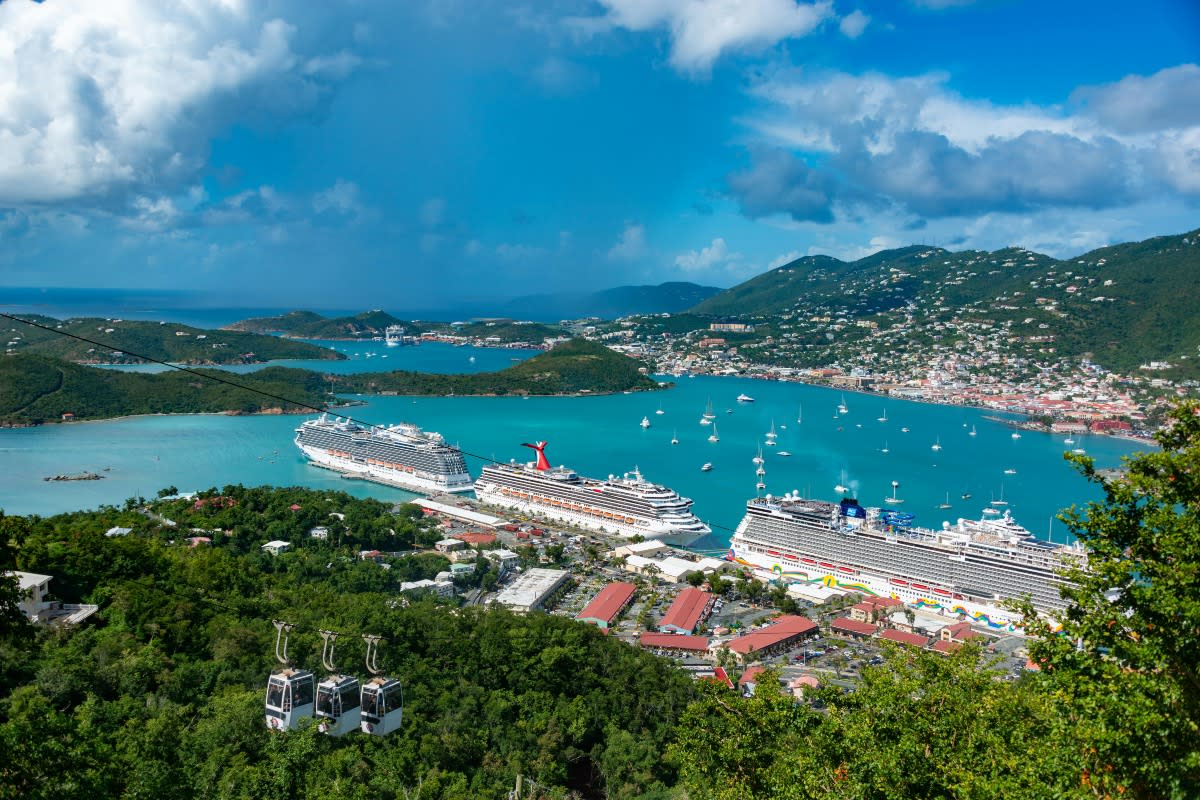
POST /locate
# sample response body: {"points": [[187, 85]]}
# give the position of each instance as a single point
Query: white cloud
{"points": [[631, 245], [716, 254], [433, 211], [836, 143], [780, 260], [341, 198], [122, 97], [518, 252], [702, 31], [853, 24]]}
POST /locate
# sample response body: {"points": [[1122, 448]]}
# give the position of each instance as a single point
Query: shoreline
{"points": [[1023, 423]]}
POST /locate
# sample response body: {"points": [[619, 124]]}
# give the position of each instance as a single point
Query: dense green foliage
{"points": [[620, 301], [34, 389], [506, 332], [162, 695], [572, 367], [180, 344], [1123, 305], [311, 325]]}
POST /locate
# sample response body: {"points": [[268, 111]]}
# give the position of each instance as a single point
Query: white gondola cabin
{"points": [[382, 705], [337, 708], [289, 699]]}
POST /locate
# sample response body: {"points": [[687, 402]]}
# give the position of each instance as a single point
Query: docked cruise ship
{"points": [[964, 570], [627, 505], [399, 455]]}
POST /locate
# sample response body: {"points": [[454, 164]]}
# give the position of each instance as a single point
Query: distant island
{"points": [[164, 341], [576, 366], [36, 389], [311, 325], [495, 332]]}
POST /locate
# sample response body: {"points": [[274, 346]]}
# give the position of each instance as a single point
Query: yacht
{"points": [[712, 437], [706, 467], [745, 398], [645, 423]]}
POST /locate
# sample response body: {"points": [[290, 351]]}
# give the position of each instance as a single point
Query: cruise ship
{"points": [[627, 505], [398, 455], [965, 570]]}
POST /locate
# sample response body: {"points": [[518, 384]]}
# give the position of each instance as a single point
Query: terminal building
{"points": [[607, 605], [782, 634], [691, 607], [530, 591]]}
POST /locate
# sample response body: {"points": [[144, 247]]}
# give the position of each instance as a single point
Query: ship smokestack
{"points": [[540, 449]]}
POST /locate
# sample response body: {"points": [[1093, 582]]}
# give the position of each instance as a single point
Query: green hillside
{"points": [[572, 367], [310, 325], [36, 389], [166, 341], [1122, 305]]}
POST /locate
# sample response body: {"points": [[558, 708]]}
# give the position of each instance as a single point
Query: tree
{"points": [[695, 578], [1126, 660]]}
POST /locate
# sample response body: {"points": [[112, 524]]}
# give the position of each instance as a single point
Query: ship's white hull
{"points": [[414, 481], [929, 598], [644, 527]]}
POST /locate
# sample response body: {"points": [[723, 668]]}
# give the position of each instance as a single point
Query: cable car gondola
{"points": [[382, 697], [337, 705], [289, 691]]}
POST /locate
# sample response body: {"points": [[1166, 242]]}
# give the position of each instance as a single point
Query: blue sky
{"points": [[421, 154]]}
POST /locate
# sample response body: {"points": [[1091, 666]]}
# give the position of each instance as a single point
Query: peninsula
{"points": [[164, 341], [37, 389]]}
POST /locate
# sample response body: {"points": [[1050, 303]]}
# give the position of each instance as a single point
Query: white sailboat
{"points": [[972, 433], [645, 423], [1016, 435], [712, 437], [660, 410], [937, 445], [800, 415], [675, 437], [885, 447], [884, 417], [1001, 501], [758, 459], [842, 488], [895, 498], [708, 412], [842, 409], [771, 435], [947, 503]]}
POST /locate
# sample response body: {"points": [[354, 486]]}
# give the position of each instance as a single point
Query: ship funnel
{"points": [[540, 449]]}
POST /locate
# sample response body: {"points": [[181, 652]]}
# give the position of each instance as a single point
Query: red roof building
{"points": [[784, 632], [958, 632], [945, 646], [749, 678], [688, 610], [606, 605], [853, 628], [909, 639], [476, 539], [672, 641], [873, 609]]}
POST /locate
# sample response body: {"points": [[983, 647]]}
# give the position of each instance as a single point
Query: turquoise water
{"points": [[598, 436], [378, 357]]}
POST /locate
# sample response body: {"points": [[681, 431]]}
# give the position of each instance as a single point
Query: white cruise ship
{"points": [[965, 570], [398, 455], [627, 505]]}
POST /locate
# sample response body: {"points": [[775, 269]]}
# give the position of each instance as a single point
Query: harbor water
{"points": [[597, 436]]}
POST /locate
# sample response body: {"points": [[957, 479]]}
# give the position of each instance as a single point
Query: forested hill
{"points": [[35, 389], [165, 341], [311, 325], [1124, 305], [572, 367], [161, 696]]}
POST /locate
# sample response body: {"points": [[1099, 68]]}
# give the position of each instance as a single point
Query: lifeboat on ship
{"points": [[898, 582]]}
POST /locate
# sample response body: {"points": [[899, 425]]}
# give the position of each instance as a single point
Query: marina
{"points": [[198, 451]]}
